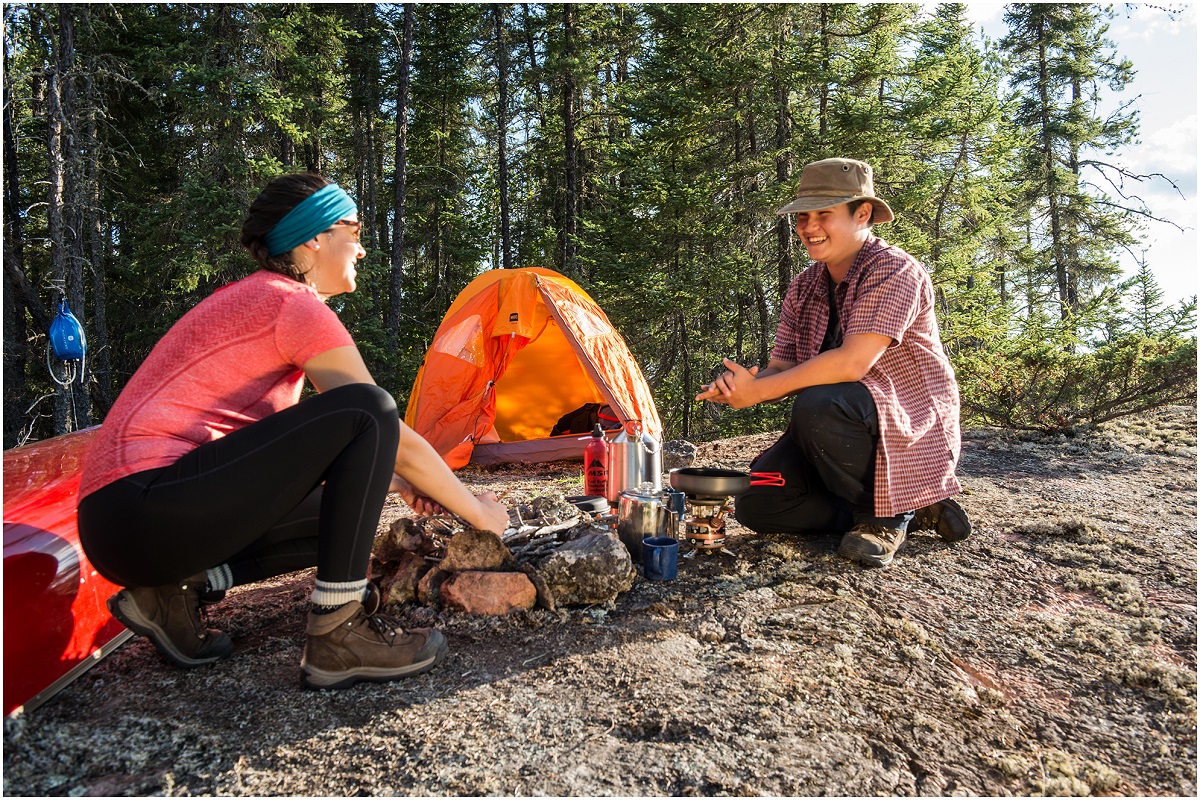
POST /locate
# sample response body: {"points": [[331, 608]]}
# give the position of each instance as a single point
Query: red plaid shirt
{"points": [[888, 292]]}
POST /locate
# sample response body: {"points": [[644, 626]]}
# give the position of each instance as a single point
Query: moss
{"points": [[1011, 765], [783, 551], [1156, 677], [1090, 632], [991, 698], [1062, 787], [1078, 529], [1066, 774], [1118, 592], [1146, 630]]}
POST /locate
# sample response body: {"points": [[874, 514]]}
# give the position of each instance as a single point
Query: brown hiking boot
{"points": [[871, 545], [346, 646], [169, 616], [946, 517]]}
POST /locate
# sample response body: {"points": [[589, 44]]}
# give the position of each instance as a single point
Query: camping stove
{"points": [[704, 524]]}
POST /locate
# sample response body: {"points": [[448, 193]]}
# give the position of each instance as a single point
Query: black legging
{"points": [[254, 499]]}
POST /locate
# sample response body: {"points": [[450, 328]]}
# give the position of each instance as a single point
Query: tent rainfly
{"points": [[517, 351]]}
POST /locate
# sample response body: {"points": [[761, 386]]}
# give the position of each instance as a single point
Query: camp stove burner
{"points": [[704, 525]]}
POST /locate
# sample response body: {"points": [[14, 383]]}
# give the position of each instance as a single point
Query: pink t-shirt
{"points": [[232, 360]]}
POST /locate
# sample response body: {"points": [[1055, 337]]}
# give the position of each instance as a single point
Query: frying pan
{"points": [[707, 483]]}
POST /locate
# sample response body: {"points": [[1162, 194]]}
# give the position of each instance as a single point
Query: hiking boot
{"points": [[373, 600], [946, 517], [349, 645], [169, 616], [210, 597], [872, 545]]}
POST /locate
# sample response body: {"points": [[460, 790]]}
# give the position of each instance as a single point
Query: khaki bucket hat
{"points": [[828, 183]]}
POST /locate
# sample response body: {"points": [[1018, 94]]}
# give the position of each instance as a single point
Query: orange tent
{"points": [[517, 350]]}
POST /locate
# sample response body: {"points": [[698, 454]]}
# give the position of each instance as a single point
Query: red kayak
{"points": [[56, 624]]}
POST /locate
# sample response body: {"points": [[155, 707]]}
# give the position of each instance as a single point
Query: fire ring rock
{"points": [[488, 593], [590, 570], [477, 551]]}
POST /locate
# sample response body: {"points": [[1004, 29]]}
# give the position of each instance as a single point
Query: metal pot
{"points": [[705, 483], [644, 512]]}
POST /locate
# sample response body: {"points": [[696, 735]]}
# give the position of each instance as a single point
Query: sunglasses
{"points": [[355, 227]]}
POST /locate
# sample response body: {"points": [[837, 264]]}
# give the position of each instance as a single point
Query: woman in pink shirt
{"points": [[209, 473]]}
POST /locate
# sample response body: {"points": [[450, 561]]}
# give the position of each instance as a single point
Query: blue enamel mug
{"points": [[660, 558]]}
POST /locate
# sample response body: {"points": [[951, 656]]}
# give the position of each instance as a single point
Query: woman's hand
{"points": [[494, 515], [423, 506]]}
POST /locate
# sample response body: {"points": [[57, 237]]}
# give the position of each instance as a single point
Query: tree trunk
{"points": [[18, 295], [764, 323], [1057, 250], [1071, 246], [57, 214], [99, 355], [396, 293], [570, 152], [823, 88], [502, 138], [783, 174], [73, 185], [531, 50], [681, 330]]}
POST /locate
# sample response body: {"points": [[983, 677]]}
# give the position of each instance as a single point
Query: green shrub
{"points": [[1035, 383]]}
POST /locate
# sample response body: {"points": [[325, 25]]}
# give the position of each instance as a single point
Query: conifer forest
{"points": [[639, 149]]}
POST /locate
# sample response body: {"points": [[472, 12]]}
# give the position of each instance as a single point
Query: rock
{"points": [[678, 453], [544, 596], [404, 536], [553, 508], [710, 630], [429, 587], [489, 593], [592, 569], [472, 550], [400, 579]]}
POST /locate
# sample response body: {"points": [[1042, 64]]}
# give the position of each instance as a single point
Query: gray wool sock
{"points": [[220, 578], [329, 595]]}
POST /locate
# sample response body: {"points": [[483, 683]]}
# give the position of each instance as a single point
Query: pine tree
{"points": [[953, 207], [1061, 61]]}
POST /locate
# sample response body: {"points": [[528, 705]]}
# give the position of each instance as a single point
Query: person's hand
{"points": [[422, 505], [494, 513], [731, 387]]}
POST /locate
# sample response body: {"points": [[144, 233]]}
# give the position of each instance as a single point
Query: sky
{"points": [[1163, 52]]}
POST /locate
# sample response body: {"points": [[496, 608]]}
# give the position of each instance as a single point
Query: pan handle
{"points": [[767, 479]]}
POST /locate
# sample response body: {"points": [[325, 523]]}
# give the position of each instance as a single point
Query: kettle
{"points": [[643, 512], [634, 458]]}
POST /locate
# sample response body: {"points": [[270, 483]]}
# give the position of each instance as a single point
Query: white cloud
{"points": [[1170, 151], [1151, 23]]}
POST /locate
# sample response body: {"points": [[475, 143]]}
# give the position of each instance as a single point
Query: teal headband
{"points": [[314, 214]]}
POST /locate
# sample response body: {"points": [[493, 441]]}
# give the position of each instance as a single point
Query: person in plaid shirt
{"points": [[873, 441]]}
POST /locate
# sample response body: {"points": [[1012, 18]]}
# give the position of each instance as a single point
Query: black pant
{"points": [[827, 460], [254, 499]]}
